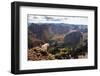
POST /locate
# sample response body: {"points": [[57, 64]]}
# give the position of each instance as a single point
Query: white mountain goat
{"points": [[45, 47]]}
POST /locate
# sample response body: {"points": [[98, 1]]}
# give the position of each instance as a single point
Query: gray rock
{"points": [[73, 38]]}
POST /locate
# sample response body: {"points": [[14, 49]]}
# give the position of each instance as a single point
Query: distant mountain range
{"points": [[44, 32], [55, 27]]}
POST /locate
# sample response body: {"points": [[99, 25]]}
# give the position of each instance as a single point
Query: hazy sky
{"points": [[57, 19]]}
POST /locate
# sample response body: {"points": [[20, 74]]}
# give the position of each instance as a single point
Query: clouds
{"points": [[57, 19]]}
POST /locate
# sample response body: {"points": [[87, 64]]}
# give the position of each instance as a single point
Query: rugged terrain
{"points": [[65, 41]]}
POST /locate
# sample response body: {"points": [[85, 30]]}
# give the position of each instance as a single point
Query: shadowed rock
{"points": [[73, 38]]}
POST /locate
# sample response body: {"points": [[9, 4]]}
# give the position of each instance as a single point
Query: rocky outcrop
{"points": [[73, 38], [38, 53]]}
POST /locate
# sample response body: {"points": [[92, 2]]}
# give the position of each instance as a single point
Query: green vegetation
{"points": [[53, 50], [66, 50], [51, 57], [60, 53]]}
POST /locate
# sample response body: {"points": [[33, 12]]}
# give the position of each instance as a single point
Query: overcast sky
{"points": [[57, 19]]}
